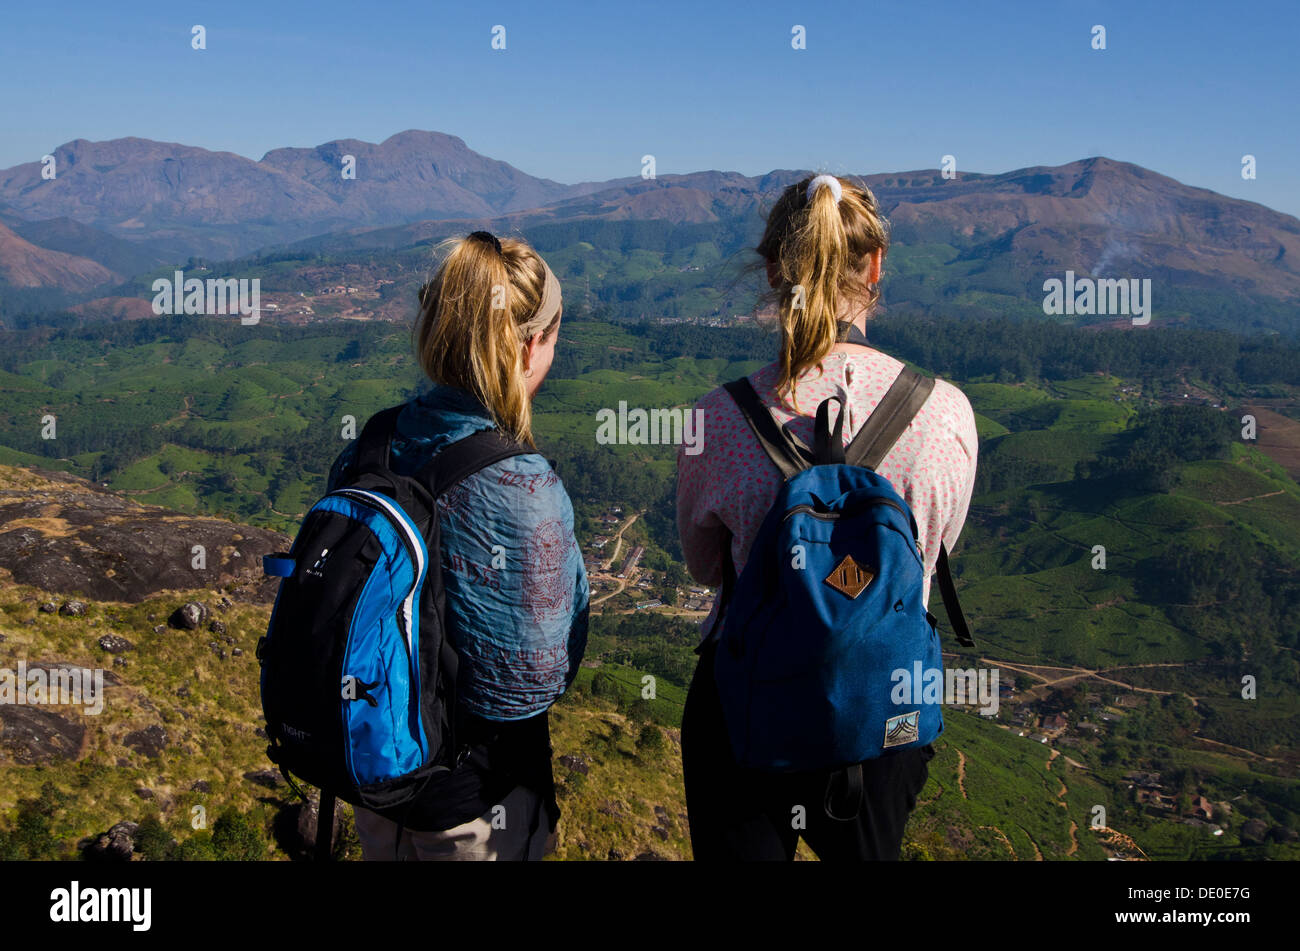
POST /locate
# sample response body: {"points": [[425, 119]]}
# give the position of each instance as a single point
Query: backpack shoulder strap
{"points": [[889, 419], [775, 441], [375, 444], [948, 590], [466, 456], [897, 408]]}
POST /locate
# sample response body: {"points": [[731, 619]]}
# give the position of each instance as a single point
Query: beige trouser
{"points": [[504, 833]]}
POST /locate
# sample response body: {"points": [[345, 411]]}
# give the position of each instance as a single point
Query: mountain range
{"points": [[221, 205], [121, 208]]}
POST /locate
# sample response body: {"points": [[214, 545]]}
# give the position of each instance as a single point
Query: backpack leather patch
{"points": [[849, 578]]}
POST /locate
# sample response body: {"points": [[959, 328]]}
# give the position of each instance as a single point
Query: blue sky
{"points": [[583, 90]]}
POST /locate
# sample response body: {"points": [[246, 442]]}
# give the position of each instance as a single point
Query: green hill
{"points": [[1089, 447]]}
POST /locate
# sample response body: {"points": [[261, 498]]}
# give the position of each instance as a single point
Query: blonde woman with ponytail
{"points": [[823, 251], [516, 589]]}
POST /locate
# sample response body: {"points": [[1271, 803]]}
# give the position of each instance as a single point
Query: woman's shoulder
{"points": [[514, 501], [530, 473], [948, 402], [946, 423]]}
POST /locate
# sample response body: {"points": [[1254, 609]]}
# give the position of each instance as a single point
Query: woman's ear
{"points": [[530, 352], [877, 260]]}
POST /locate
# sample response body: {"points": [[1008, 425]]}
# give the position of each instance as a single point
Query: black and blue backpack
{"points": [[829, 605], [358, 678]]}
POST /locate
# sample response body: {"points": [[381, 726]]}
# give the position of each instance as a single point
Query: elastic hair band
{"points": [[829, 180], [489, 238], [547, 310]]}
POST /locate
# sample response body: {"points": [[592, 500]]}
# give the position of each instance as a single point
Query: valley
{"points": [[1124, 683]]}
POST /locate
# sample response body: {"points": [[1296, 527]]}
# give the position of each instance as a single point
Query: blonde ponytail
{"points": [[818, 244], [469, 331]]}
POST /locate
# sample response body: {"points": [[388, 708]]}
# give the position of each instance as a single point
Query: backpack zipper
{"points": [[391, 513], [807, 509]]}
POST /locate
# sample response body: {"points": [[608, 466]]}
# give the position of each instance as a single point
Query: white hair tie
{"points": [[830, 180]]}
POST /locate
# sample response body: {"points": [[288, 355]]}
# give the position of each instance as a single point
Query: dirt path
{"points": [[1064, 789], [1005, 841], [622, 585], [618, 545], [1237, 749], [1251, 498], [1038, 853], [618, 539], [961, 773], [1082, 673], [1074, 839]]}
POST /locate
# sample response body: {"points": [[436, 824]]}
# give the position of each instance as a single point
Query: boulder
{"points": [[115, 845], [306, 826], [1254, 831], [150, 741], [73, 608], [188, 616], [115, 643], [575, 763], [269, 778]]}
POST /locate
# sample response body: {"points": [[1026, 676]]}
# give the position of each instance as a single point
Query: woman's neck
{"points": [[858, 321]]}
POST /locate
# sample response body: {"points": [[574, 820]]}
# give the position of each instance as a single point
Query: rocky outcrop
{"points": [[115, 845], [61, 533], [31, 734], [150, 741]]}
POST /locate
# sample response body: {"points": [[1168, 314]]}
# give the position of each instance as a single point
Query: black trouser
{"points": [[744, 815]]}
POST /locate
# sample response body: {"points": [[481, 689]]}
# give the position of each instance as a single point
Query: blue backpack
{"points": [[830, 605], [358, 678]]}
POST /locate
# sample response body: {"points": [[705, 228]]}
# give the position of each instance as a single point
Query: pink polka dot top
{"points": [[730, 484]]}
